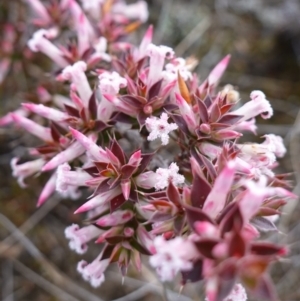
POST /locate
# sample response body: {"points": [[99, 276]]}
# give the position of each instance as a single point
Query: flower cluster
{"points": [[196, 201]]}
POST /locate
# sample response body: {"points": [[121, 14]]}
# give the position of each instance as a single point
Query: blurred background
{"points": [[263, 38]]}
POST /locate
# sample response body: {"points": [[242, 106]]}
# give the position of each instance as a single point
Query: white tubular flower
{"points": [[160, 128], [146, 180], [111, 83], [258, 105], [238, 293], [138, 10], [169, 262], [246, 125], [275, 144], [93, 272], [262, 157], [76, 74], [72, 193], [100, 47], [93, 7], [66, 178], [157, 56], [80, 237], [40, 42], [46, 112], [175, 66], [22, 171], [165, 175]]}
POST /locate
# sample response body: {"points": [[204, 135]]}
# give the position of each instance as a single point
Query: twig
{"points": [[138, 294], [57, 276], [278, 129], [19, 294], [194, 35], [155, 287], [32, 221], [294, 135], [8, 283], [43, 283], [163, 20]]}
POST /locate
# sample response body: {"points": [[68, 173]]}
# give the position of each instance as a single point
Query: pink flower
{"points": [[238, 293], [275, 144], [47, 191], [80, 237], [99, 200], [177, 65], [100, 47], [8, 118], [258, 105], [32, 127], [262, 156], [93, 7], [146, 180], [80, 20], [160, 128], [157, 56], [76, 74], [116, 218], [216, 199], [246, 125], [93, 272], [138, 10], [110, 83], [186, 112], [256, 193], [47, 112], [165, 175], [22, 171], [66, 178], [96, 152], [73, 151], [40, 42], [172, 256]]}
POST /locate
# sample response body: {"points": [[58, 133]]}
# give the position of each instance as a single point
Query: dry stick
{"points": [[191, 38], [8, 283], [57, 276], [163, 20], [155, 287], [18, 294], [244, 81], [31, 222], [278, 129], [138, 294], [43, 283], [294, 135]]}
